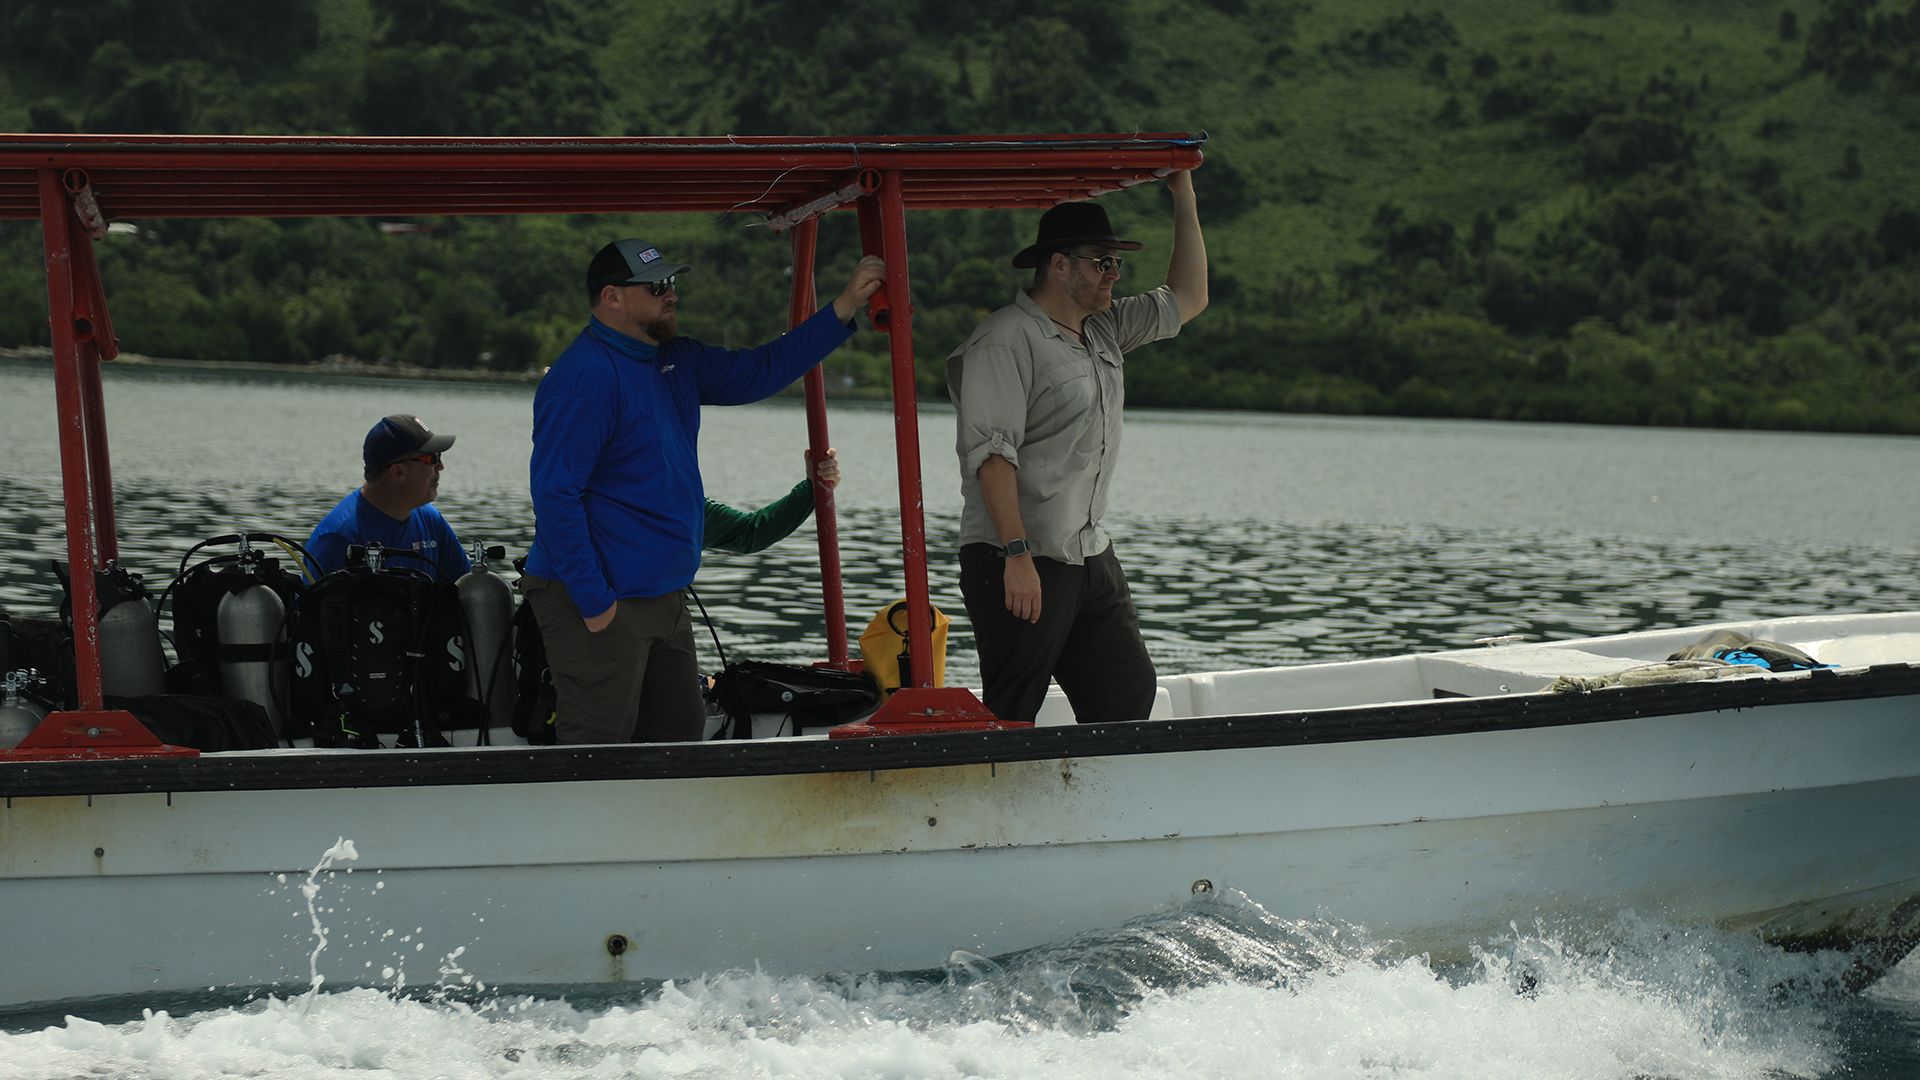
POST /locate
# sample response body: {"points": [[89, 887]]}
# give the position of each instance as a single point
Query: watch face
{"points": [[1016, 547]]}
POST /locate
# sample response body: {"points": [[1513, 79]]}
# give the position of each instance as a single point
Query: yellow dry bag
{"points": [[883, 646]]}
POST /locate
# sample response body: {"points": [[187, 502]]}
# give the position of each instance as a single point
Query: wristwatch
{"points": [[1017, 547]]}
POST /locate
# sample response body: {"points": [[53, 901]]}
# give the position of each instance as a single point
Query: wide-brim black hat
{"points": [[1068, 225]]}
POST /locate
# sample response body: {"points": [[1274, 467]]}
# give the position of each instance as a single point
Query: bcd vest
{"points": [[381, 653]]}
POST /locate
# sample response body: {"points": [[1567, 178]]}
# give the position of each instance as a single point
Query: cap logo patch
{"points": [[649, 255]]}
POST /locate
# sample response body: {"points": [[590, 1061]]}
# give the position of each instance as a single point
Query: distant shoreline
{"points": [[361, 369], [355, 368]]}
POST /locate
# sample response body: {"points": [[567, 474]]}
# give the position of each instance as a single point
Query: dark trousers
{"points": [[635, 681], [1087, 639]]}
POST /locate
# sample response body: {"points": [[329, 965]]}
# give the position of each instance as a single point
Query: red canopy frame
{"points": [[75, 184]]}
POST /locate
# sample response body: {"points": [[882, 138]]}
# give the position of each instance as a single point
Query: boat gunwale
{"points": [[471, 766]]}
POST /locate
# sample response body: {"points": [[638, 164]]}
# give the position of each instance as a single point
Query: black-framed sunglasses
{"points": [[1106, 264], [660, 288]]}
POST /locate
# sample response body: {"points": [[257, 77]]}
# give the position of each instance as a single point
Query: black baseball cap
{"points": [[396, 436], [630, 262]]}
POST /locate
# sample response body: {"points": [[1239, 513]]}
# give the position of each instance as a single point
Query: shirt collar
{"points": [[1026, 303], [626, 346]]}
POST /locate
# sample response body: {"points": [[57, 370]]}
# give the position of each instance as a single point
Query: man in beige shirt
{"points": [[1037, 393]]}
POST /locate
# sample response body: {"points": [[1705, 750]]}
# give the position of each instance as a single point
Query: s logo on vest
{"points": [[457, 657], [303, 660], [375, 632]]}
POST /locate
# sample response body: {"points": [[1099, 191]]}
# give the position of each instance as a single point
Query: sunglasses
{"points": [[1106, 264], [658, 288], [424, 459]]}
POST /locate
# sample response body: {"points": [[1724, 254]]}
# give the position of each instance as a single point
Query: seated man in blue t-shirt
{"points": [[394, 508]]}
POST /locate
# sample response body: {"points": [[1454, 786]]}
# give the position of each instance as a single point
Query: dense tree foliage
{"points": [[1676, 213]]}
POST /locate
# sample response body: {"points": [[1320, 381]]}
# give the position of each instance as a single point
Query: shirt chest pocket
{"points": [[1067, 384]]}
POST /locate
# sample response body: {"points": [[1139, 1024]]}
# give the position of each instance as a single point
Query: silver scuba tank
{"points": [[19, 714], [131, 661], [487, 602], [252, 616]]}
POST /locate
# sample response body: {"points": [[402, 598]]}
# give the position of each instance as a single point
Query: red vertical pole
{"points": [[76, 309], [920, 707], [69, 384], [832, 591], [94, 332], [892, 228]]}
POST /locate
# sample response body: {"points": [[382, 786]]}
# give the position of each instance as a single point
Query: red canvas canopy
{"points": [[75, 184]]}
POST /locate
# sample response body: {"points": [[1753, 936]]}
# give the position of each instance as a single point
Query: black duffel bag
{"points": [[806, 696], [208, 724]]}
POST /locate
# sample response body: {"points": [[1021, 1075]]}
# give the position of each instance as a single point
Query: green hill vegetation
{"points": [[1693, 212]]}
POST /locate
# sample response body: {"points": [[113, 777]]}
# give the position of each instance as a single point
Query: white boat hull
{"points": [[1792, 819]]}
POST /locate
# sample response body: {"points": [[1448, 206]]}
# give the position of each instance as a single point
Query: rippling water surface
{"points": [[1250, 540]]}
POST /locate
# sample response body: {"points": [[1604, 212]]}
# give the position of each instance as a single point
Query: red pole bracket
{"points": [[101, 734], [85, 207], [864, 182], [926, 710]]}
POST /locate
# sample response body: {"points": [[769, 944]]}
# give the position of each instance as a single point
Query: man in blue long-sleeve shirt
{"points": [[617, 499]]}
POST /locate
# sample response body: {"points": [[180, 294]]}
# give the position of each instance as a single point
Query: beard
{"points": [[1090, 296], [663, 328]]}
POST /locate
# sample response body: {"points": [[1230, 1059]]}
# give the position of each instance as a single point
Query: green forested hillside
{"points": [[1641, 211]]}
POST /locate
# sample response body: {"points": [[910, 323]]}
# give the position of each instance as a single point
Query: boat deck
{"points": [[1844, 641]]}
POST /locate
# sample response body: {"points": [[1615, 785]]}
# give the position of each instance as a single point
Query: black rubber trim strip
{"points": [[287, 770]]}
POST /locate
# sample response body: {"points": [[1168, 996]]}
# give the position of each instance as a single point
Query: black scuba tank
{"points": [[486, 603]]}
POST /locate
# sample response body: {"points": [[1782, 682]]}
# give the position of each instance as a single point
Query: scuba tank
{"points": [[131, 661], [486, 603], [19, 714], [230, 641], [251, 624]]}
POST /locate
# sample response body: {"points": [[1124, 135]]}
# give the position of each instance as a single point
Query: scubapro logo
{"points": [[376, 632], [303, 660], [457, 657]]}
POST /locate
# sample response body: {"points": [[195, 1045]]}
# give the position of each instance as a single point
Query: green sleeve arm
{"points": [[744, 533]]}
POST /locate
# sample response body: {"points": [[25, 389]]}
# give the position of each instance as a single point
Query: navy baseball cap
{"points": [[396, 436], [630, 262]]}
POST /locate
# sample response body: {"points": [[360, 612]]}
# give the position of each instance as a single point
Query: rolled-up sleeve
{"points": [[993, 382]]}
